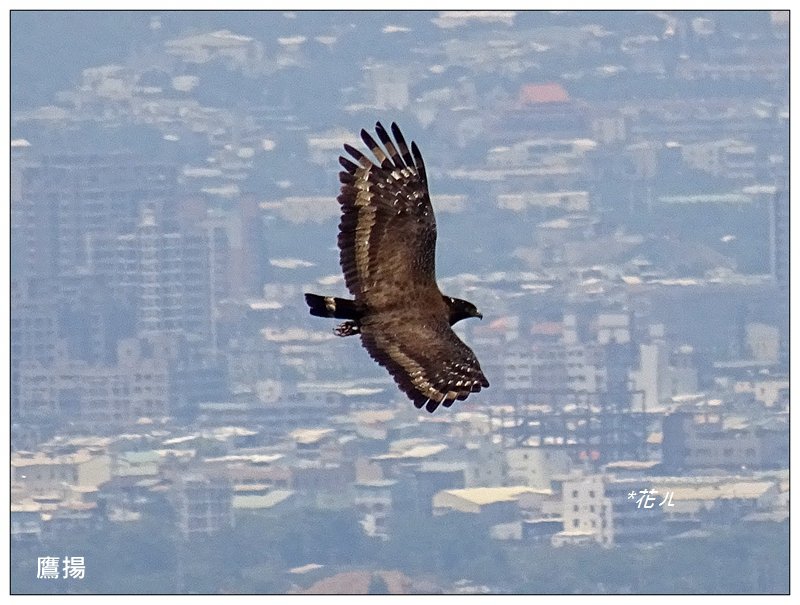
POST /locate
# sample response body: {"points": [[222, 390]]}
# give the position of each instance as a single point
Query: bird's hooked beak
{"points": [[479, 315]]}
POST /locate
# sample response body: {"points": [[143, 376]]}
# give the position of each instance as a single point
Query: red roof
{"points": [[501, 323], [547, 328], [543, 93]]}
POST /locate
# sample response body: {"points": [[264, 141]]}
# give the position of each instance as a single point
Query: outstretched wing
{"points": [[387, 233], [424, 356]]}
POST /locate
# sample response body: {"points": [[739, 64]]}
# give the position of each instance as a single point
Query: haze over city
{"points": [[610, 190]]}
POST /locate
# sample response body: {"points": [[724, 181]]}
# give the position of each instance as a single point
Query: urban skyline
{"points": [[611, 191]]}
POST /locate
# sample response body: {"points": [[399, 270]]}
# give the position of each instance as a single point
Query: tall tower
{"points": [[164, 273], [779, 260], [779, 237], [60, 201]]}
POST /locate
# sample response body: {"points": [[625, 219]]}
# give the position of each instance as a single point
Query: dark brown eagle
{"points": [[387, 242]]}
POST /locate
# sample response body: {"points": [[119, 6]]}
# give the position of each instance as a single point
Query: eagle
{"points": [[387, 244]]}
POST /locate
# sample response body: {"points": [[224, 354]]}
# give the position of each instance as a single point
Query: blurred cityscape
{"points": [[611, 190]]}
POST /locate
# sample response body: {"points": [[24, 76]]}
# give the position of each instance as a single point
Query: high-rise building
{"points": [[779, 236], [34, 327], [60, 202], [91, 320], [164, 273], [779, 261], [587, 512], [203, 504], [664, 371], [72, 393], [698, 438], [249, 264]]}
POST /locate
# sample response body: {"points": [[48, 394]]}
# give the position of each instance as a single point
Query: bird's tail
{"points": [[330, 306]]}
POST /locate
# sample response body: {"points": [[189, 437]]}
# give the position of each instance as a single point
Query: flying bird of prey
{"points": [[387, 242]]}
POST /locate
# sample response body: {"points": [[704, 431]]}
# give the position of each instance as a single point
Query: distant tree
{"points": [[449, 544], [305, 535], [730, 561], [377, 585]]}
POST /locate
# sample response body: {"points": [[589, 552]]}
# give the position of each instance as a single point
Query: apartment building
{"points": [[96, 397], [203, 504], [587, 511]]}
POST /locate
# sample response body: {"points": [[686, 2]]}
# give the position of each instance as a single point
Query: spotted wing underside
{"points": [[424, 356]]}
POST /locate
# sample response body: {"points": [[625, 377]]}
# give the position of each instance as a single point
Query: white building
{"points": [[536, 466], [767, 390], [587, 512], [662, 372], [97, 396], [763, 342]]}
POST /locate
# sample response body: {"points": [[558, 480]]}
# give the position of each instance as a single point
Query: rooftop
{"points": [[302, 569], [259, 501], [310, 436], [251, 458], [630, 465], [417, 451], [721, 491], [39, 458], [533, 94], [490, 495]]}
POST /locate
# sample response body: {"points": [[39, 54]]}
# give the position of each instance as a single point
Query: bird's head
{"points": [[461, 309]]}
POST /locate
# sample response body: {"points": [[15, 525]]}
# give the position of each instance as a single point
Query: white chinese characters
{"points": [[48, 568], [647, 498]]}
